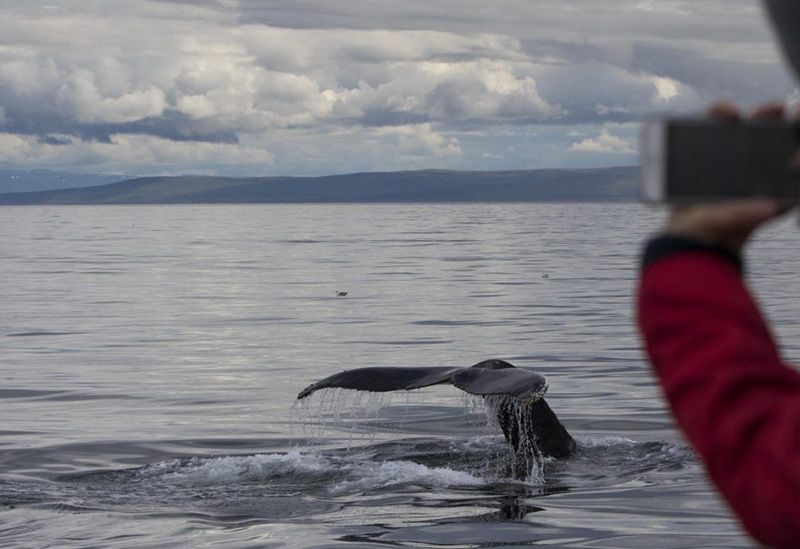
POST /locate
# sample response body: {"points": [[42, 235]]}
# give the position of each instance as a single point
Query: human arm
{"points": [[735, 399]]}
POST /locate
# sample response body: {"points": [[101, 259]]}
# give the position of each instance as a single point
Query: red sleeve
{"points": [[737, 402]]}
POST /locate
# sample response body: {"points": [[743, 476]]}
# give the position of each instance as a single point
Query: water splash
{"points": [[365, 417], [230, 469], [371, 476], [332, 474]]}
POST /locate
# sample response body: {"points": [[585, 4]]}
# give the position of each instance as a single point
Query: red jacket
{"points": [[736, 400]]}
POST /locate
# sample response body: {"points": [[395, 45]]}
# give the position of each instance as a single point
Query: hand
{"points": [[727, 224]]}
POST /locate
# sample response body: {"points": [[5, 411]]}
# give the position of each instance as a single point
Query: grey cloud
{"points": [[552, 51], [54, 140], [598, 93], [746, 81], [597, 23], [515, 17], [385, 117], [171, 125]]}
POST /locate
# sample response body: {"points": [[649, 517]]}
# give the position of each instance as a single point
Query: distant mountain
{"points": [[21, 181], [617, 184]]}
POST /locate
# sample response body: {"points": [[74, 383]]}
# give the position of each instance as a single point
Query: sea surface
{"points": [[150, 358]]}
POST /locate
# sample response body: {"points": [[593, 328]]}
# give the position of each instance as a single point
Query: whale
{"points": [[515, 395]]}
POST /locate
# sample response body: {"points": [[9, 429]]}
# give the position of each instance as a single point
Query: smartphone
{"points": [[698, 160]]}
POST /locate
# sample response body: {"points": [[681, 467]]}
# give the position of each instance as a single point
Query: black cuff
{"points": [[667, 245]]}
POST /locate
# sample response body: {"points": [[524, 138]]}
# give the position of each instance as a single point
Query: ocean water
{"points": [[150, 358]]}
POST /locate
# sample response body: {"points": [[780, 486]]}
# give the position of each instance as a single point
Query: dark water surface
{"points": [[151, 357]]}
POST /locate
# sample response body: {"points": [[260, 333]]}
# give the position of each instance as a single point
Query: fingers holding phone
{"points": [[725, 175]]}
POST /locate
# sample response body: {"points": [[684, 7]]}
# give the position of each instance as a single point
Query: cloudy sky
{"points": [[263, 87]]}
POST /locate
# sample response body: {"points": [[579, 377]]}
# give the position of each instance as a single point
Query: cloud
{"points": [[745, 80], [450, 94], [421, 140], [242, 81], [79, 95], [399, 79], [666, 88], [129, 152], [603, 143], [58, 140], [610, 20]]}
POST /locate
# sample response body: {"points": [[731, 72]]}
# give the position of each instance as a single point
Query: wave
{"points": [[295, 466]]}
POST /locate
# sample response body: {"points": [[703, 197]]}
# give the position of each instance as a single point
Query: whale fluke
{"points": [[515, 394], [515, 383], [381, 380]]}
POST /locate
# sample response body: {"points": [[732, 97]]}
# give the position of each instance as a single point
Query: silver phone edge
{"points": [[652, 147]]}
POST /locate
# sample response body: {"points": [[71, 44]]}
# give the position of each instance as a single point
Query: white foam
{"points": [[370, 476], [228, 469], [359, 475], [602, 441]]}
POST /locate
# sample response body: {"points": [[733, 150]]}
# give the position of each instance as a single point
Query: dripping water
{"points": [[350, 417], [358, 418], [527, 461]]}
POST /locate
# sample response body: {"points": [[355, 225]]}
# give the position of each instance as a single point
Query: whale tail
{"points": [[516, 394], [533, 427]]}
